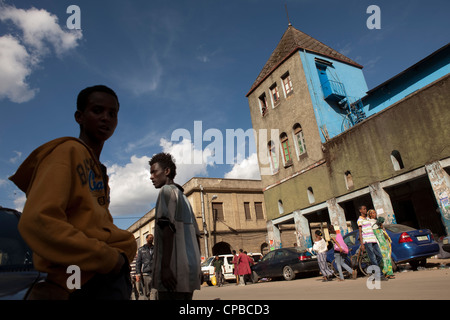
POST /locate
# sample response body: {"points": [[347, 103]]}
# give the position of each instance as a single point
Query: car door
{"points": [[263, 267], [228, 266], [280, 260]]}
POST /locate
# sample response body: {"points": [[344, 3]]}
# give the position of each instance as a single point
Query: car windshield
{"points": [[397, 228], [14, 253], [350, 239], [207, 262], [268, 256]]}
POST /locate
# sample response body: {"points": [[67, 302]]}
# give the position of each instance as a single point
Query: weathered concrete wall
{"points": [[417, 127]]}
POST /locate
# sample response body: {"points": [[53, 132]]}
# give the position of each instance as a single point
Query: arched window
{"points": [[273, 156], [286, 149], [348, 180], [310, 193], [280, 207], [397, 161], [263, 104], [299, 139]]}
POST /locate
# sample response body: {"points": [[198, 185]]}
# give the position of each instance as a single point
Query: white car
{"points": [[208, 268]]}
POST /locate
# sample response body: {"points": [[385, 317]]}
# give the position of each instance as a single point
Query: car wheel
{"points": [[288, 273], [255, 277]]}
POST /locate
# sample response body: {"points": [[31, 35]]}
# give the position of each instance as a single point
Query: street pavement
{"points": [[429, 283]]}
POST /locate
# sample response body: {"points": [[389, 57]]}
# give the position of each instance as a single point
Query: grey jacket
{"points": [[144, 260]]}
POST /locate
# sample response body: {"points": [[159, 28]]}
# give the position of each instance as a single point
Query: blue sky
{"points": [[174, 64]]}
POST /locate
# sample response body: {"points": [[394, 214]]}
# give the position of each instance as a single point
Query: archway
{"points": [[265, 248], [221, 248]]}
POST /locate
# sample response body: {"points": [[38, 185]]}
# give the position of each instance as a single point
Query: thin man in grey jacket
{"points": [[144, 264]]}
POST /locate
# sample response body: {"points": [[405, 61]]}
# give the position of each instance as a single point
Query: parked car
{"points": [[17, 275], [286, 263], [208, 268], [408, 245]]}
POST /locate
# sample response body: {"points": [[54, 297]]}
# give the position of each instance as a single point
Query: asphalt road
{"points": [[431, 283]]}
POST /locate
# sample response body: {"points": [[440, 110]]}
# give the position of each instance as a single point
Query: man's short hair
{"points": [[86, 92], [165, 160]]}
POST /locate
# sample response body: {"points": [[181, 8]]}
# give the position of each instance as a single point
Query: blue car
{"points": [[408, 245], [17, 274]]}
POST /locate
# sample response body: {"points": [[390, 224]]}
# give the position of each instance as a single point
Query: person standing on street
{"points": [[177, 270], [244, 263], [369, 241], [340, 252], [66, 219], [144, 267], [320, 247], [384, 242], [235, 266], [218, 270]]}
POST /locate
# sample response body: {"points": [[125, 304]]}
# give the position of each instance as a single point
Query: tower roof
{"points": [[292, 41]]}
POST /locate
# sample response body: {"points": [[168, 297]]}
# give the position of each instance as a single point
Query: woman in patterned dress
{"points": [[384, 242]]}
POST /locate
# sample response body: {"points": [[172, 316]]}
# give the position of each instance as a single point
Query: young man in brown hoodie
{"points": [[66, 220]]}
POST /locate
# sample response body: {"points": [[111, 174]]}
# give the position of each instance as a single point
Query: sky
{"points": [[181, 70]]}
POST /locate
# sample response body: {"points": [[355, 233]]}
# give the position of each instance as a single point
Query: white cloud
{"points": [[131, 188], [16, 158], [40, 28], [245, 169], [132, 192], [20, 55], [19, 201], [15, 67]]}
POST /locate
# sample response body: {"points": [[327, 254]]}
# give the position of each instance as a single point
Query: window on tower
{"points": [[287, 84]]}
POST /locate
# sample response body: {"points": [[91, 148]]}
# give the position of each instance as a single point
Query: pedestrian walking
{"points": [[369, 241], [244, 263], [136, 288], [218, 271], [235, 266], [384, 242], [144, 267], [177, 270], [340, 251], [66, 219], [320, 248]]}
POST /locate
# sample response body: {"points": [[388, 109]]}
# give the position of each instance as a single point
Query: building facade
{"points": [[230, 214], [326, 145]]}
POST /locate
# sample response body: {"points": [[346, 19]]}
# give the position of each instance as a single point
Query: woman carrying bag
{"points": [[340, 251]]}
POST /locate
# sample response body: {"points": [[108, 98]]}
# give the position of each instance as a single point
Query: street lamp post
{"points": [[205, 226]]}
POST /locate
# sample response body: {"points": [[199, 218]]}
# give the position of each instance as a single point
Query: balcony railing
{"points": [[333, 90]]}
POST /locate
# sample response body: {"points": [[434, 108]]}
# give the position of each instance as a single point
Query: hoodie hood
{"points": [[24, 176]]}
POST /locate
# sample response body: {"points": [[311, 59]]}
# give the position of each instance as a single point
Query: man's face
{"points": [[99, 119], [363, 211], [150, 239], [158, 175]]}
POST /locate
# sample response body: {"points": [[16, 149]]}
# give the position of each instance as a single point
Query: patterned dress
{"points": [[384, 243]]}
